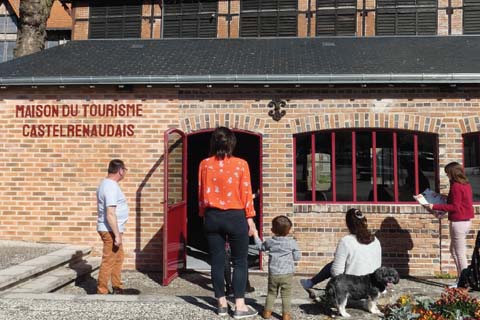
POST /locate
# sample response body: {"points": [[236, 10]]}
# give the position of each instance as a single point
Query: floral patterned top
{"points": [[225, 184]]}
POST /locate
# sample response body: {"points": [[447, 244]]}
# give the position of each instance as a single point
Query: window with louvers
{"points": [[268, 18], [471, 17], [406, 17], [336, 17], [190, 19], [115, 19]]}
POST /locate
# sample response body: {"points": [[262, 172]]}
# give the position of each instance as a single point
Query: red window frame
{"points": [[474, 135], [374, 165]]}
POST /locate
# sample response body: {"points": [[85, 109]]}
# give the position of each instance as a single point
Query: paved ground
{"points": [[187, 297]]}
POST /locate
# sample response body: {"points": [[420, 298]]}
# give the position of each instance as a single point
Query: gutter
{"points": [[410, 78]]}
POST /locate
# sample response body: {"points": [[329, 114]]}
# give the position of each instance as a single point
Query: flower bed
{"points": [[454, 304]]}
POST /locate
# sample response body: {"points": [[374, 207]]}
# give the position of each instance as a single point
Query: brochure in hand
{"points": [[431, 197]]}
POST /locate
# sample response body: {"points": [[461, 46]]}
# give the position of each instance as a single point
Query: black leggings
{"points": [[218, 225]]}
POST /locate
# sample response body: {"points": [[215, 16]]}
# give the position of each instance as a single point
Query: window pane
{"points": [[303, 150], [175, 171], [8, 24], [471, 153], [323, 167], [426, 162], [406, 167], [3, 56], [10, 46], [343, 166], [384, 153], [11, 26], [364, 166]]}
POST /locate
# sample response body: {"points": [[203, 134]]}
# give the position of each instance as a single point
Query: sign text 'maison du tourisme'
{"points": [[85, 111]]}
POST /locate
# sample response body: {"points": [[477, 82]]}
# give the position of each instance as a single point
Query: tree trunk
{"points": [[32, 28]]}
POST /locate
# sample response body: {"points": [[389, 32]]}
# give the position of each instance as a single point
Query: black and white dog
{"points": [[343, 287]]}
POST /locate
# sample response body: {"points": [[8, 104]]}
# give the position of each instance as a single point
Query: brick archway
{"points": [[469, 124], [366, 120], [229, 120]]}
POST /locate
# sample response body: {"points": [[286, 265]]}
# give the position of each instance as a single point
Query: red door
{"points": [[175, 205]]}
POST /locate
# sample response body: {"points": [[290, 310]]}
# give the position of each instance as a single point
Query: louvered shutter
{"points": [[427, 22], [385, 22], [406, 17], [190, 19], [471, 17], [406, 22], [115, 19], [336, 18], [268, 18]]}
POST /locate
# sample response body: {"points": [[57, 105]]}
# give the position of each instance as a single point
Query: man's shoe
{"points": [[267, 314], [117, 290], [286, 316], [250, 289], [238, 314]]}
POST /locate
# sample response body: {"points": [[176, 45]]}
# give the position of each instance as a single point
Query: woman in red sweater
{"points": [[226, 204], [460, 212]]}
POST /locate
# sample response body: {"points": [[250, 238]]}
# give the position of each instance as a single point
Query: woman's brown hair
{"points": [[357, 225], [222, 143], [456, 173]]}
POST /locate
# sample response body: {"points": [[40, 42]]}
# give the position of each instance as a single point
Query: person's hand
{"points": [[440, 215], [255, 233], [251, 227], [117, 242], [428, 206]]}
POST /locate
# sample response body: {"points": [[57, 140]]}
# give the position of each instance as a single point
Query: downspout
{"points": [[152, 18], [364, 14], [449, 13], [309, 18], [162, 19], [229, 19]]}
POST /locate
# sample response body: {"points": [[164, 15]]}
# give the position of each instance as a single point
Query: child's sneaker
{"points": [[306, 284]]}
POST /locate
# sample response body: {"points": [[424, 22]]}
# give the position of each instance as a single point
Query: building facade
{"points": [[273, 18], [326, 123]]}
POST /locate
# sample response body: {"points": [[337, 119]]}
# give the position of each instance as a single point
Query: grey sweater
{"points": [[282, 252]]}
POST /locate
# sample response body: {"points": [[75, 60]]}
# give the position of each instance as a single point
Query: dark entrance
{"points": [[248, 148]]}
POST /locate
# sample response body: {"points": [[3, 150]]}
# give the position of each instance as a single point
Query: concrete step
{"points": [[24, 271], [58, 277]]}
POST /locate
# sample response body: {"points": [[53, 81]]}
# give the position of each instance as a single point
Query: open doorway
{"points": [[248, 148]]}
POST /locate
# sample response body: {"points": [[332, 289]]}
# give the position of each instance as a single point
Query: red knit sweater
{"points": [[459, 202]]}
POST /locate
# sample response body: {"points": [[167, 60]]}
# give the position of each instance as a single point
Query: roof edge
{"points": [[249, 79]]}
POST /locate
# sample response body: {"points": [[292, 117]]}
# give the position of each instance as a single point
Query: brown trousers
{"points": [[112, 261]]}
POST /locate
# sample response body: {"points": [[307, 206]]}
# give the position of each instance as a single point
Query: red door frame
{"points": [[175, 220], [260, 182]]}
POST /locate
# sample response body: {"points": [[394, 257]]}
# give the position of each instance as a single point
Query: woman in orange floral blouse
{"points": [[226, 203]]}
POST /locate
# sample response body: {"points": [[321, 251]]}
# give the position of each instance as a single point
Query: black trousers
{"points": [[218, 225]]}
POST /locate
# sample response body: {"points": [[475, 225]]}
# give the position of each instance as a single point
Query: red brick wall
{"points": [[47, 185]]}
